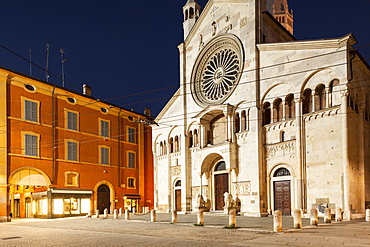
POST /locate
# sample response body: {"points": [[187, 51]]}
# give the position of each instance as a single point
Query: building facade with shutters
{"points": [[65, 153], [278, 123]]}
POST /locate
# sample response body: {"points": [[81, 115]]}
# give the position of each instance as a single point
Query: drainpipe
{"points": [[119, 148], [54, 175]]}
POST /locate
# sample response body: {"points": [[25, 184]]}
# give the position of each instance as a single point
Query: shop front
{"points": [[131, 202], [58, 203]]}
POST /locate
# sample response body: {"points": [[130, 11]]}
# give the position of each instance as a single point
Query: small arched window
{"points": [[186, 14], [281, 172], [266, 114], [164, 148], [243, 121], [191, 144], [278, 110], [332, 84], [195, 137], [289, 106], [178, 183], [307, 101], [320, 100], [171, 145], [160, 148], [221, 166], [237, 123], [282, 136], [177, 144], [191, 13]]}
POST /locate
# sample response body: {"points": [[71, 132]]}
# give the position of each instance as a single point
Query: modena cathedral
{"points": [[278, 123]]}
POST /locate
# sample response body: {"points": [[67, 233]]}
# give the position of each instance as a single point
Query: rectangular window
{"points": [[104, 128], [72, 151], [131, 182], [71, 179], [30, 111], [131, 135], [71, 120], [131, 160], [104, 156], [30, 145]]}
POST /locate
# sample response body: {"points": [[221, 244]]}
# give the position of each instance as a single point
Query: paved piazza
{"points": [[140, 232]]}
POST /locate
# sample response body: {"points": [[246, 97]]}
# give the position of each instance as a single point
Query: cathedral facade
{"points": [[278, 123]]}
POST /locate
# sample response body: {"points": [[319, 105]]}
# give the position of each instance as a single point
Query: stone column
{"points": [[327, 215], [283, 117], [120, 212], [278, 221], [174, 216], [367, 215], [127, 214], [338, 214], [97, 213], [297, 217], [105, 213], [115, 214], [300, 200], [153, 215], [232, 218], [345, 161], [327, 98], [314, 218], [200, 217], [313, 100]]}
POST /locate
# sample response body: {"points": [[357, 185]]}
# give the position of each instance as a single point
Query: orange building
{"points": [[64, 153]]}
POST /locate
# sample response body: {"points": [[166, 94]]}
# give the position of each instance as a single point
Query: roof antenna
{"points": [[30, 52], [47, 49], [63, 60]]}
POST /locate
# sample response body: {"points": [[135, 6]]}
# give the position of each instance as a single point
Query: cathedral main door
{"points": [[221, 186], [282, 196]]}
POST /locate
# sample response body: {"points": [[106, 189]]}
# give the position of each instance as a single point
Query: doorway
{"points": [[103, 200], [282, 196], [221, 186], [178, 195]]}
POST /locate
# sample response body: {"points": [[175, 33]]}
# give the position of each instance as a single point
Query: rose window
{"points": [[217, 70]]}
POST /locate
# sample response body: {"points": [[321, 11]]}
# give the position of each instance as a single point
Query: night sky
{"points": [[127, 50]]}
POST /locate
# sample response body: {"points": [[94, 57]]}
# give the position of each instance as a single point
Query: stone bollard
{"points": [[278, 221], [153, 216], [314, 217], [134, 210], [120, 212], [200, 217], [127, 214], [327, 215], [174, 216], [97, 213], [297, 218], [115, 214], [105, 213], [367, 215], [338, 214], [232, 218]]}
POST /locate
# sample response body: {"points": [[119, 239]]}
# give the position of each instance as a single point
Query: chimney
{"points": [[86, 89], [147, 112]]}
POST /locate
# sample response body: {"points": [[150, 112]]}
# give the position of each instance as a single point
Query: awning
{"points": [[132, 196], [70, 191]]}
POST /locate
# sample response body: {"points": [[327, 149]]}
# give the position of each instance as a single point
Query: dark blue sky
{"points": [[122, 47]]}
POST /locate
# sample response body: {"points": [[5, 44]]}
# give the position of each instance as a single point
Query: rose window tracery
{"points": [[217, 70]]}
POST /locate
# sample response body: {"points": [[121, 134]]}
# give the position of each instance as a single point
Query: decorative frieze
{"points": [[242, 188], [280, 149], [176, 171], [196, 191]]}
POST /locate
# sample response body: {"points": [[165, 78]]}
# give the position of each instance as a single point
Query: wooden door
{"points": [[282, 196], [178, 200], [221, 186], [103, 198]]}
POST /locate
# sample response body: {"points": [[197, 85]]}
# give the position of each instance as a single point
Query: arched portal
{"points": [[281, 188], [103, 198], [178, 195]]}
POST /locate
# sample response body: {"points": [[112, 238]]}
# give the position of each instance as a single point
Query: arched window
{"points": [[332, 84], [221, 166], [160, 148], [289, 106], [177, 144], [186, 14], [307, 101], [266, 114], [178, 183], [278, 110], [191, 13], [320, 100], [281, 172], [237, 123], [164, 147], [171, 145], [195, 137], [191, 144], [243, 121], [282, 136]]}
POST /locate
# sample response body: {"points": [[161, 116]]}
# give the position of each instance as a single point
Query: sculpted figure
{"points": [[200, 201]]}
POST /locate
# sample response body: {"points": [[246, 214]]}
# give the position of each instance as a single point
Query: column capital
{"points": [[344, 93]]}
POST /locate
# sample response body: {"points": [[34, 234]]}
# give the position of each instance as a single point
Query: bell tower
{"points": [[280, 10], [191, 12]]}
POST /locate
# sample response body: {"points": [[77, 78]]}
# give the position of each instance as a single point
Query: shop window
{"points": [[72, 150], [30, 110], [131, 135], [104, 128], [131, 183], [131, 160], [72, 120], [31, 145]]}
